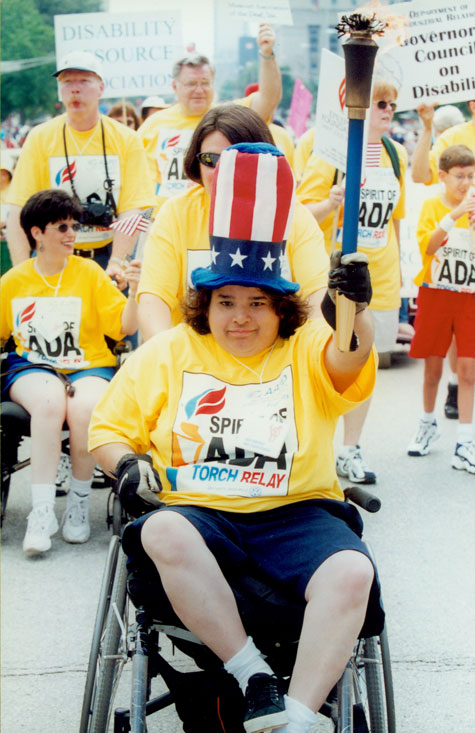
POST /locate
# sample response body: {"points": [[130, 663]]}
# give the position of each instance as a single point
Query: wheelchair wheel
{"points": [[365, 691], [106, 657], [116, 516]]}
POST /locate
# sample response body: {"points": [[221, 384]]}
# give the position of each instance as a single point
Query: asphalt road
{"points": [[423, 539]]}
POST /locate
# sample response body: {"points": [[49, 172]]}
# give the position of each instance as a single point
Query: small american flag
{"points": [[131, 224]]}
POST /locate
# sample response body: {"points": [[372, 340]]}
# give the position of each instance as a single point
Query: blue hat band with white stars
{"points": [[240, 262]]}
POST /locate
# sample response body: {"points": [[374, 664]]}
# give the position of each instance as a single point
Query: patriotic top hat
{"points": [[251, 210]]}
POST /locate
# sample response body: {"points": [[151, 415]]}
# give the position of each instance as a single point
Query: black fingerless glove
{"points": [[138, 484], [349, 275]]}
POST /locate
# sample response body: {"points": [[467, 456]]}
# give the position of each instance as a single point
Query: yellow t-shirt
{"points": [[179, 242], [166, 136], [463, 134], [217, 437], [452, 266], [283, 141], [382, 200], [303, 152], [63, 327], [42, 164]]}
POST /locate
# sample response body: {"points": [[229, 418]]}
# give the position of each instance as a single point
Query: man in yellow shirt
{"points": [[82, 152], [166, 134]]}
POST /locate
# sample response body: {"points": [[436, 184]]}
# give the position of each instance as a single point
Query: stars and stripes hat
{"points": [[252, 205]]}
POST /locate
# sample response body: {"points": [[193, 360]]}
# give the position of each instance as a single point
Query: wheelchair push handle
{"points": [[362, 498]]}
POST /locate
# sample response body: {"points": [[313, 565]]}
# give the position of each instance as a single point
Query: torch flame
{"points": [[395, 30]]}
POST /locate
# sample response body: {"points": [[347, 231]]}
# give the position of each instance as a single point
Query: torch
{"points": [[360, 52]]}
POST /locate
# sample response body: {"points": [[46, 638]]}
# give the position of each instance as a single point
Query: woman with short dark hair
{"points": [[178, 240], [57, 307]]}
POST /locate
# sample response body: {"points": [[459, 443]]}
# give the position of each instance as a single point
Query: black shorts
{"points": [[283, 547]]}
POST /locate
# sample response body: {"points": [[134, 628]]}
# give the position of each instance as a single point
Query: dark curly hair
{"points": [[291, 309], [47, 207]]}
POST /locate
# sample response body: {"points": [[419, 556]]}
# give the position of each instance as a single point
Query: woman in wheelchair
{"points": [[238, 408], [57, 307]]}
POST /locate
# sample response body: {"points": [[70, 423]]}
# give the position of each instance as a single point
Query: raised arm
{"points": [[265, 101], [420, 165], [349, 275]]}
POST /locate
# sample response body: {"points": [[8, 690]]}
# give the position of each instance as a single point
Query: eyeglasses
{"points": [[196, 84], [382, 105], [210, 160], [63, 228], [463, 177]]}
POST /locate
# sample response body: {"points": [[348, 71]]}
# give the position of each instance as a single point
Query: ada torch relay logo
{"points": [[206, 453]]}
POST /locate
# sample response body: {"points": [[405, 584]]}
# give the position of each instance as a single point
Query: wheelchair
{"points": [[15, 427], [209, 699]]}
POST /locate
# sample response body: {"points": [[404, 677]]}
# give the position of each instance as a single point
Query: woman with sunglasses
{"points": [[57, 307], [382, 206], [179, 239]]}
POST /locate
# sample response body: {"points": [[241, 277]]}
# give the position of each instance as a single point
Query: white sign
{"points": [[137, 50], [276, 12], [197, 20], [436, 62], [331, 118]]}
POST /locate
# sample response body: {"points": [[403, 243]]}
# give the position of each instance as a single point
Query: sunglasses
{"points": [[382, 105], [210, 160], [63, 228]]}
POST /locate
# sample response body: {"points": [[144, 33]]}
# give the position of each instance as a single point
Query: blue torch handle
{"points": [[352, 188]]}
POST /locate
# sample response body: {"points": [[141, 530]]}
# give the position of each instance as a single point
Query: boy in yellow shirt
{"points": [[446, 300]]}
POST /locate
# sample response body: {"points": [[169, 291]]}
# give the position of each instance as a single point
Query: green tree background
{"points": [[27, 32]]}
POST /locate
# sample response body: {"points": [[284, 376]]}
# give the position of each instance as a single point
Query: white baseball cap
{"points": [[157, 102], [82, 61]]}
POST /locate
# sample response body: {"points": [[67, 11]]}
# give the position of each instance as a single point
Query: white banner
{"points": [[276, 12], [331, 118], [137, 50], [436, 62]]}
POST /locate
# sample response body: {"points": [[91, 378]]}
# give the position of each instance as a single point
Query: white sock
{"points": [[464, 432], [80, 488], [43, 494], [346, 450], [246, 662], [428, 416], [453, 378], [300, 718]]}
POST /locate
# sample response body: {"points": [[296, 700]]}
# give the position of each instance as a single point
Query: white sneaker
{"points": [[351, 465], [464, 457], [75, 522], [427, 433], [42, 524]]}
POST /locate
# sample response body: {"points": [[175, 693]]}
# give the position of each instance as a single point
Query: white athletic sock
{"points": [[80, 488], [300, 718], [428, 416], [464, 432], [43, 494], [246, 662], [346, 450], [453, 377]]}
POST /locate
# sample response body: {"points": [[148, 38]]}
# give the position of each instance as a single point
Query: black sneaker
{"points": [[451, 409], [265, 706]]}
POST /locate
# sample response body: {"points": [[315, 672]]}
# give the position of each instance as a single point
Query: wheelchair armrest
{"points": [[15, 417], [362, 498]]}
